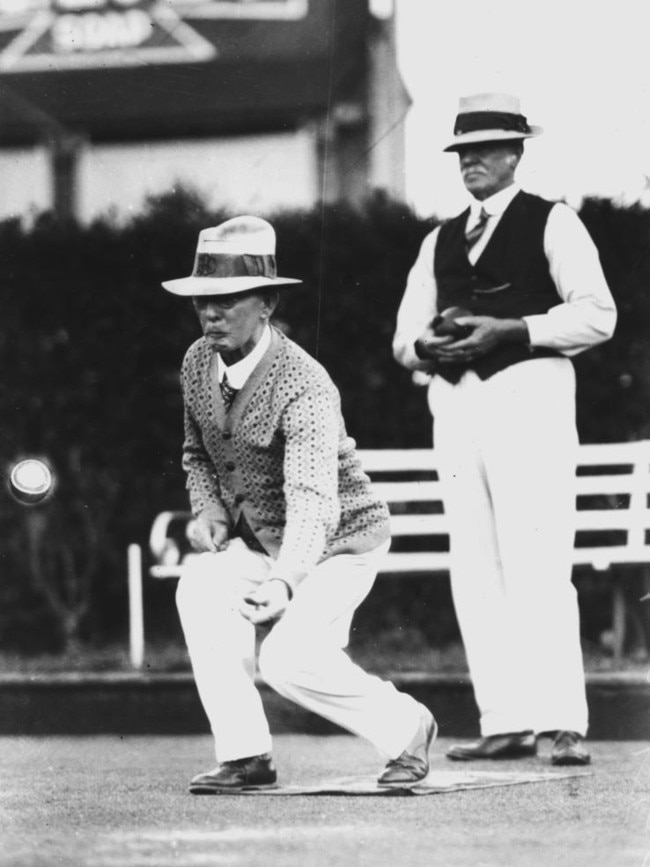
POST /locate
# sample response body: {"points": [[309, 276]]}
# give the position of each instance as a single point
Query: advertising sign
{"points": [[44, 35], [116, 70]]}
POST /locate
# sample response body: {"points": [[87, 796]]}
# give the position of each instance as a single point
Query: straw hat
{"points": [[234, 257], [490, 117]]}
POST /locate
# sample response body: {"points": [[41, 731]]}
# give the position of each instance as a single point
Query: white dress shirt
{"points": [[586, 316], [239, 372]]}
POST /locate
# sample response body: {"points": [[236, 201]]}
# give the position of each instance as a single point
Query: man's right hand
{"points": [[208, 534]]}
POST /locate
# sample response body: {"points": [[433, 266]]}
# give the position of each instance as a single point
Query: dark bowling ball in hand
{"points": [[445, 325]]}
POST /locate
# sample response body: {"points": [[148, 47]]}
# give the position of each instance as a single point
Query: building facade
{"points": [[256, 104]]}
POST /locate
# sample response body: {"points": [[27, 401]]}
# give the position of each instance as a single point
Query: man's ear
{"points": [[514, 158], [270, 301]]}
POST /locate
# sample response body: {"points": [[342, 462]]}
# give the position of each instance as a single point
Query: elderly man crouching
{"points": [[289, 530]]}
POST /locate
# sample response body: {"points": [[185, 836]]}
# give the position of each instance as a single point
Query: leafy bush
{"points": [[91, 348]]}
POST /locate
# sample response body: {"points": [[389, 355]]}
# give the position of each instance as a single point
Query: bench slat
{"points": [[408, 492], [419, 491], [614, 453], [438, 524], [397, 460], [633, 516], [419, 525], [627, 484], [590, 454], [612, 484], [608, 519], [416, 561], [611, 555]]}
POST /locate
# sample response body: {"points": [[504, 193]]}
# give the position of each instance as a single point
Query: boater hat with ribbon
{"points": [[236, 256], [490, 117]]}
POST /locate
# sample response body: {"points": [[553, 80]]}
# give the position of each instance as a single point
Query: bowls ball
{"points": [[445, 325], [30, 481]]}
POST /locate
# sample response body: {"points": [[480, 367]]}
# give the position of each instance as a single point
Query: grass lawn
{"points": [[398, 650]]}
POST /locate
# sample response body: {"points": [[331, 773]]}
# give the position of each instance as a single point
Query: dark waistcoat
{"points": [[510, 279]]}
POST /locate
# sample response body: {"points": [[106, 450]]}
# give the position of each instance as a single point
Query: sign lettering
{"points": [[67, 34], [100, 32]]}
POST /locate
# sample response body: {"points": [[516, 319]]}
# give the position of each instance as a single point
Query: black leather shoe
{"points": [[255, 772], [512, 745], [569, 749], [412, 765]]}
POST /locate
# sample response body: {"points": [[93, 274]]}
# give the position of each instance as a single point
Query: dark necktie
{"points": [[476, 231], [228, 393]]}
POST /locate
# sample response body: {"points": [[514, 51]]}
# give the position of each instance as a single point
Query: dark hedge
{"points": [[91, 347]]}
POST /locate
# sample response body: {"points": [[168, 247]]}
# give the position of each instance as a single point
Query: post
{"points": [[619, 617], [136, 612], [64, 149]]}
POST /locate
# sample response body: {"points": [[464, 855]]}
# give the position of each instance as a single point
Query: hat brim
{"points": [[489, 135], [189, 286]]}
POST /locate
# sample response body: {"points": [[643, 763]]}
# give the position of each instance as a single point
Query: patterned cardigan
{"points": [[280, 458]]}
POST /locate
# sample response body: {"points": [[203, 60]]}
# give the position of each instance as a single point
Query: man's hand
{"points": [[487, 334], [427, 345], [268, 602], [208, 534]]}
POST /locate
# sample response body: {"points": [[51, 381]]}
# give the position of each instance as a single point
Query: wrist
{"points": [[514, 331], [213, 517], [213, 512]]}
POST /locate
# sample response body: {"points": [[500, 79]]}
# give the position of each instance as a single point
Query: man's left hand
{"points": [[268, 602], [487, 333]]}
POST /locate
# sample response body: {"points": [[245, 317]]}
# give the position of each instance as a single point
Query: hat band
{"points": [[475, 121], [222, 266]]}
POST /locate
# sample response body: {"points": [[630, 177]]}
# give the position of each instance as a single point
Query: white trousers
{"points": [[507, 448], [302, 658]]}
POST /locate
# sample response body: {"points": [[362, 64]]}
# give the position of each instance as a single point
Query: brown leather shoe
{"points": [[412, 766], [512, 745], [254, 772], [569, 749]]}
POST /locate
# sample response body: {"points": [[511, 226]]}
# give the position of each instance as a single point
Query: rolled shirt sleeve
{"points": [[418, 306], [587, 314], [585, 317]]}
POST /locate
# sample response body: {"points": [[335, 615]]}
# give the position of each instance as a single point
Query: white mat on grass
{"points": [[437, 783]]}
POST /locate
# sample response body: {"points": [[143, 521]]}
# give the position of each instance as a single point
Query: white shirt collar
{"points": [[494, 205], [239, 372]]}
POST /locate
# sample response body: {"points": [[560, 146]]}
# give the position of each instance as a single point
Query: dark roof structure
{"points": [[198, 69]]}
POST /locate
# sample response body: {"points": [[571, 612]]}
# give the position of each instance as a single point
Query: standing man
{"points": [[502, 393], [289, 530]]}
